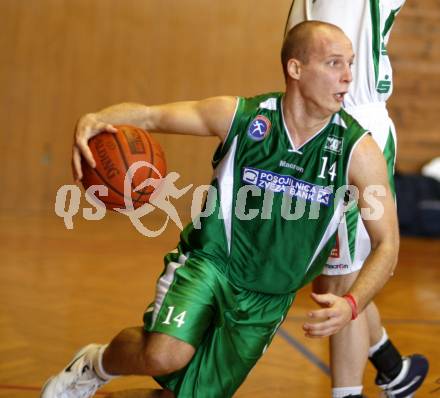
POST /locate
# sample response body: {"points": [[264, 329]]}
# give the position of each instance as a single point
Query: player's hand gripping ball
{"points": [[114, 153]]}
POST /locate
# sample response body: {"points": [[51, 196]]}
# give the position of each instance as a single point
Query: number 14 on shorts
{"points": [[179, 319]]}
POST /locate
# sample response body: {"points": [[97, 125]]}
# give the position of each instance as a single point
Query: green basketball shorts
{"points": [[229, 327]]}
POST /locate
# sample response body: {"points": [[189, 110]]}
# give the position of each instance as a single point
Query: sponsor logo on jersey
{"points": [[289, 185], [250, 176], [334, 144], [270, 104], [259, 128], [292, 166], [335, 253], [384, 86], [337, 266]]}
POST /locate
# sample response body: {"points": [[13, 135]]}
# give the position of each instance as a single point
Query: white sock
{"points": [[341, 392], [97, 364], [379, 344]]}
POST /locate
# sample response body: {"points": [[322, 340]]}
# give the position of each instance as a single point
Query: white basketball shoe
{"points": [[78, 379]]}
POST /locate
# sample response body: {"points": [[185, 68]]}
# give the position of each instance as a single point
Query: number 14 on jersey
{"points": [[179, 319], [331, 171]]}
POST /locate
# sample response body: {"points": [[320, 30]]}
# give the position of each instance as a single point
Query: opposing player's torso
{"points": [[275, 208]]}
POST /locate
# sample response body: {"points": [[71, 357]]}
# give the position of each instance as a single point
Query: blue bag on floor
{"points": [[418, 205]]}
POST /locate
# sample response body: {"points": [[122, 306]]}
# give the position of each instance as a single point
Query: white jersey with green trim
{"points": [[270, 219], [368, 24]]}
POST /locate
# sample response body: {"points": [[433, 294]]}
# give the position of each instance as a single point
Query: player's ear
{"points": [[294, 68]]}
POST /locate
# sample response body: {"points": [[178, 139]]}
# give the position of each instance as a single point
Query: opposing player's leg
{"points": [[397, 376], [365, 337], [349, 347]]}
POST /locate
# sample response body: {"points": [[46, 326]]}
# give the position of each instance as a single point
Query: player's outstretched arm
{"points": [[376, 203], [209, 117]]}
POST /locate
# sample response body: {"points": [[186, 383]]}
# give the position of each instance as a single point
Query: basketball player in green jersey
{"points": [[368, 24], [278, 194]]}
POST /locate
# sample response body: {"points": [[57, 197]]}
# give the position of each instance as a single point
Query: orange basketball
{"points": [[114, 153]]}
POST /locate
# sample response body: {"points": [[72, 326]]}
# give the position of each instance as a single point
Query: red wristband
{"points": [[354, 308]]}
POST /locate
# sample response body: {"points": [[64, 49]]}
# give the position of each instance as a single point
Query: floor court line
{"points": [[304, 351]]}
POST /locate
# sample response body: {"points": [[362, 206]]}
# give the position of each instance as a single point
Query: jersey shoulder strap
{"points": [[247, 109]]}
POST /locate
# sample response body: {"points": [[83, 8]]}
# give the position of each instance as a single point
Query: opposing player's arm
{"points": [[209, 117], [376, 203], [394, 4], [299, 12]]}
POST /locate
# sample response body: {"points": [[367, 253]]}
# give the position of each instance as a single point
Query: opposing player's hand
{"points": [[87, 127], [331, 318]]}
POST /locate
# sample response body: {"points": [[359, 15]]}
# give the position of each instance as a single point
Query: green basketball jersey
{"points": [[273, 209]]}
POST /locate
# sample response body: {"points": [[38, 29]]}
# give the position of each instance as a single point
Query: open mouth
{"points": [[340, 96]]}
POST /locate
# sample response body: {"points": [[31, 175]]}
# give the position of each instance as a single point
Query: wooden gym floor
{"points": [[61, 289]]}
